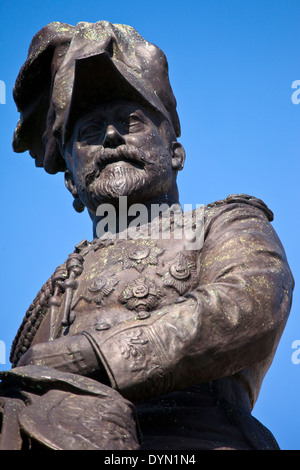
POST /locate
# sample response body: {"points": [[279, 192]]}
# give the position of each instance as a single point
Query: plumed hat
{"points": [[72, 68]]}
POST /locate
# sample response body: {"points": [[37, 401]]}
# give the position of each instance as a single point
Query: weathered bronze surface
{"points": [[136, 342]]}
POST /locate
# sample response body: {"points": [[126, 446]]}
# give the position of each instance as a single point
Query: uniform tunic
{"points": [[186, 335]]}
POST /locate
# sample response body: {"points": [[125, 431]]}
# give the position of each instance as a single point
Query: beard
{"points": [[123, 171]]}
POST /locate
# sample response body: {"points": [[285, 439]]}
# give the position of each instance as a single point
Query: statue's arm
{"points": [[232, 320]]}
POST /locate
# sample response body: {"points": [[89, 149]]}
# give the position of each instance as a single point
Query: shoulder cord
{"points": [[34, 317], [62, 280]]}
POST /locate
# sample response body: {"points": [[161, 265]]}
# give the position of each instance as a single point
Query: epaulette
{"points": [[244, 199]]}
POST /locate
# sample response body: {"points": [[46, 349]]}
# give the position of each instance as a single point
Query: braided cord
{"points": [[40, 306], [33, 318]]}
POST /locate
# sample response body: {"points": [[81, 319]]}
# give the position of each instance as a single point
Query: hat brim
{"points": [[97, 80]]}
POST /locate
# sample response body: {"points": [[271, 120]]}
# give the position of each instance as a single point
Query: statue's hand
{"points": [[72, 354]]}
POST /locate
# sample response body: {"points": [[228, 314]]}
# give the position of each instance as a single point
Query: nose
{"points": [[112, 137]]}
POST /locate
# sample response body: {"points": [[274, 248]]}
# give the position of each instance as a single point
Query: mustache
{"points": [[102, 157], [127, 153]]}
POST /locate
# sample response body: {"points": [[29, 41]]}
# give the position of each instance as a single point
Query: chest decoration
{"points": [[179, 273], [139, 257], [142, 295], [102, 287], [137, 275]]}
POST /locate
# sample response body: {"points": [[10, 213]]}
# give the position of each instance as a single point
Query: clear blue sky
{"points": [[232, 64]]}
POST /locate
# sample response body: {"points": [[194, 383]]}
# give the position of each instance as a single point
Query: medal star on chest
{"points": [[179, 273], [102, 286], [142, 295], [139, 256]]}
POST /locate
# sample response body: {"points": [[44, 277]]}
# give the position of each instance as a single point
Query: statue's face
{"points": [[122, 149]]}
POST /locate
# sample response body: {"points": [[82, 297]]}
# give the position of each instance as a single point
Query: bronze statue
{"points": [[136, 342]]}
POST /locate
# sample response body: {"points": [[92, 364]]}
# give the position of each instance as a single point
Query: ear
{"points": [[69, 182], [178, 157]]}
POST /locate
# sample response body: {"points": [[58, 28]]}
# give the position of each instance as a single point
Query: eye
{"points": [[91, 131], [132, 123]]}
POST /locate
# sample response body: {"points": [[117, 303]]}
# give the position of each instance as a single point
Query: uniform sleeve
{"points": [[232, 320]]}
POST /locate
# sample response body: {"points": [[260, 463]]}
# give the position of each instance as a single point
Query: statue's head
{"points": [[96, 102], [121, 148]]}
